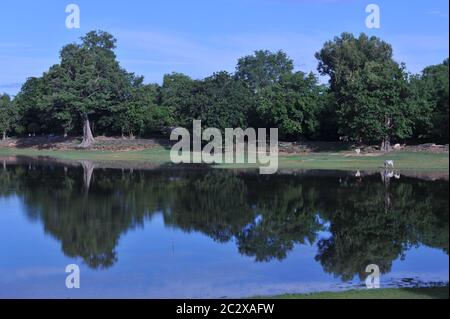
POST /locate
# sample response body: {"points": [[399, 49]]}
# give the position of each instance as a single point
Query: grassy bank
{"points": [[418, 161], [398, 293]]}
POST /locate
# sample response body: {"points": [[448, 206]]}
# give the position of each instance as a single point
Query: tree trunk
{"points": [[386, 144], [386, 176], [88, 170], [4, 135], [88, 138]]}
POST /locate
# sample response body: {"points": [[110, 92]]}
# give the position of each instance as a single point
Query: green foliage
{"points": [[374, 104], [263, 69], [8, 114], [341, 58], [176, 96], [219, 101], [370, 97], [431, 98], [89, 80], [32, 110], [292, 105], [370, 89], [139, 111]]}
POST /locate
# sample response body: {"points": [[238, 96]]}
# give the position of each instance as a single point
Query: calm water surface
{"points": [[214, 233]]}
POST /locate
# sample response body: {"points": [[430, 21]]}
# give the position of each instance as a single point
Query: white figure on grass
{"points": [[389, 164]]}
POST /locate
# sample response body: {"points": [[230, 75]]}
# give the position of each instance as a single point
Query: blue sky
{"points": [[199, 37]]}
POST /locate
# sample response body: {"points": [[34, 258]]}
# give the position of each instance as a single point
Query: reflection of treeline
{"points": [[368, 229], [265, 215]]}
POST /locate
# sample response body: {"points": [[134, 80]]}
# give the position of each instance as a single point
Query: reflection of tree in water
{"points": [[87, 224], [214, 203], [286, 215], [265, 215], [364, 232]]}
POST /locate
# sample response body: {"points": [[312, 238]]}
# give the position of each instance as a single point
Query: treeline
{"points": [[370, 98]]}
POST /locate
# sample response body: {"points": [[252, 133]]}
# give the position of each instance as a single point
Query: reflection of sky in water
{"points": [[157, 261]]}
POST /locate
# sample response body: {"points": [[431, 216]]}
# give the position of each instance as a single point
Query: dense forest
{"points": [[370, 98]]}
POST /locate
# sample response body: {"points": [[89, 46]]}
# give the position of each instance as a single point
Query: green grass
{"points": [[418, 161], [396, 293], [403, 160], [156, 156]]}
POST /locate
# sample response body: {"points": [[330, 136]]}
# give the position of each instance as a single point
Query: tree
{"points": [[176, 96], [128, 116], [89, 80], [292, 105], [57, 106], [222, 102], [431, 96], [43, 109], [439, 76], [219, 101], [157, 117], [32, 111], [341, 58], [370, 98], [8, 115], [328, 129], [374, 105], [263, 69], [369, 87], [418, 99]]}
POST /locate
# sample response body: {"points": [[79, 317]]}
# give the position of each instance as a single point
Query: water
{"points": [[177, 233]]}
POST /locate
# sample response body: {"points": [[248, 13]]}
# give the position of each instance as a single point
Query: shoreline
{"points": [[419, 163], [383, 293], [426, 175]]}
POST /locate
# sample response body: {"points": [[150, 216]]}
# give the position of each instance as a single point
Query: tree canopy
{"points": [[263, 68], [431, 93], [371, 91], [292, 105], [8, 115]]}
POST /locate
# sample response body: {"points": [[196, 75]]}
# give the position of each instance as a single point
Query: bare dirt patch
{"points": [[286, 148], [70, 143]]}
